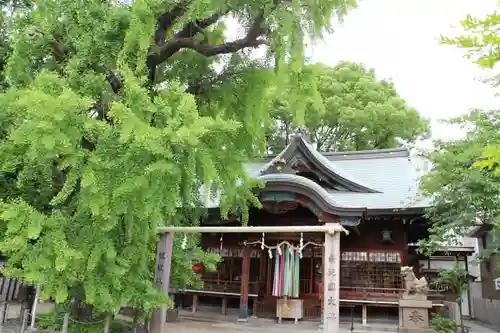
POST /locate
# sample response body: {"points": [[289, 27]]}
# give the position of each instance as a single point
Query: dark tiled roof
{"points": [[391, 176]]}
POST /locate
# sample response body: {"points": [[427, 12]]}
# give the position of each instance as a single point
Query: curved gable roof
{"points": [[310, 189], [300, 147]]}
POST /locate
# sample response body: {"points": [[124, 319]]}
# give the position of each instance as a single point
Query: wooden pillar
{"points": [[269, 276], [245, 270], [195, 303], [331, 284], [364, 314], [311, 278], [262, 286], [224, 305], [262, 267], [469, 303], [162, 279]]}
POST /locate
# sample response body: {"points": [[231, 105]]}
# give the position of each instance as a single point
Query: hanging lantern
{"points": [[386, 236], [197, 268]]}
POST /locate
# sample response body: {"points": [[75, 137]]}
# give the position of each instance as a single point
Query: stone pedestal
{"points": [[414, 314]]}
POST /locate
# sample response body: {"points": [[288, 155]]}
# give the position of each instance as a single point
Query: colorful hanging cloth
{"points": [[291, 274], [297, 276], [276, 281], [286, 273], [282, 275]]}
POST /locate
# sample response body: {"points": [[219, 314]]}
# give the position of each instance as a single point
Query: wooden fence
{"points": [[451, 311], [9, 289], [487, 311]]}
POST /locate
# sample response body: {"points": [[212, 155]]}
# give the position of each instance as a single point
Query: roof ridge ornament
{"points": [[302, 132]]}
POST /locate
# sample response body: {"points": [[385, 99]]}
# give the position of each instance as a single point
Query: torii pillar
{"points": [[331, 281], [162, 279]]}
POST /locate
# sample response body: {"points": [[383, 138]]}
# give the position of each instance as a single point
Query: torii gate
{"points": [[331, 266]]}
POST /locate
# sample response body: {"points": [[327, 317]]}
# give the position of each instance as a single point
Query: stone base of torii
{"points": [[331, 266]]}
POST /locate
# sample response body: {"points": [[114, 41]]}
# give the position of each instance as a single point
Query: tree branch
{"points": [[184, 39], [224, 48], [192, 28], [167, 49], [166, 20], [323, 138], [377, 143]]}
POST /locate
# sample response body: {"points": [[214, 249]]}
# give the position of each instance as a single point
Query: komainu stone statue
{"points": [[413, 286]]}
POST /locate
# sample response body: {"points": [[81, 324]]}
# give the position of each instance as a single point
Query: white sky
{"points": [[399, 39]]}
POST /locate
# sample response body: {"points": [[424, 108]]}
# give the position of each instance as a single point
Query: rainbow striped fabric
{"points": [[286, 273]]}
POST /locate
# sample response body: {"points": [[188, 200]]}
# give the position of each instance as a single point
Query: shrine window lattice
{"points": [[373, 270]]}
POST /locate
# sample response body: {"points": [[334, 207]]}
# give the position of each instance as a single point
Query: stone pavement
{"points": [[215, 323], [206, 322], [256, 326], [267, 326], [477, 327]]}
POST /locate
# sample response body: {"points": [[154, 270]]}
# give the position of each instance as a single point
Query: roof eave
{"points": [[479, 230], [313, 191], [396, 211]]}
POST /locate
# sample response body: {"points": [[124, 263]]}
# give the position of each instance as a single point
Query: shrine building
{"points": [[373, 194]]}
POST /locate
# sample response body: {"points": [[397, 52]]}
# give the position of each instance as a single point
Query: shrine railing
{"points": [[375, 270], [345, 291], [370, 293], [228, 286]]}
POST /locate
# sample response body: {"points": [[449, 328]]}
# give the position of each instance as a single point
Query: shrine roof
{"points": [[385, 179], [393, 172]]}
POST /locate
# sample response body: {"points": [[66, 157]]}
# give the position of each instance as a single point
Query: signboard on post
{"points": [[497, 283], [331, 282], [162, 279]]}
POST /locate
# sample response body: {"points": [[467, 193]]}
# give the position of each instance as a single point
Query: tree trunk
{"points": [[107, 321], [81, 311], [30, 300], [134, 322], [146, 325], [461, 316], [65, 322]]}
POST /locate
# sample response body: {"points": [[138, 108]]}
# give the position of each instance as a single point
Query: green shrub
{"points": [[53, 322], [442, 324]]}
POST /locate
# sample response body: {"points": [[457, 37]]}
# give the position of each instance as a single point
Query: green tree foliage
{"points": [[116, 116], [463, 193], [456, 279], [347, 108], [482, 45], [480, 40], [9, 8], [456, 282], [465, 182], [490, 160]]}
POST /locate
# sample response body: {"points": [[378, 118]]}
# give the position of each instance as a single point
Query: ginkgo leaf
{"points": [[105, 140]]}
